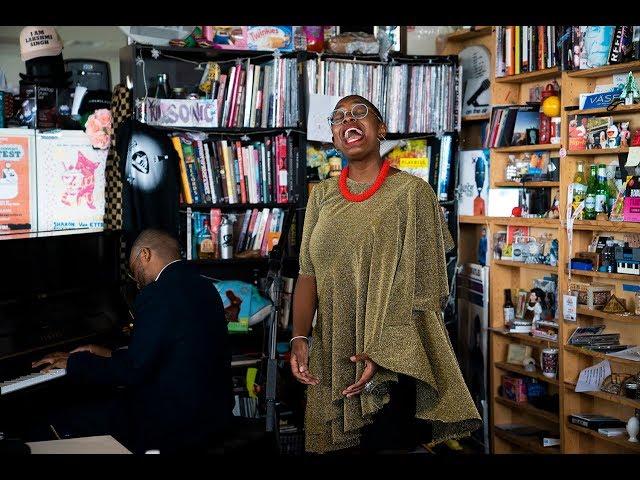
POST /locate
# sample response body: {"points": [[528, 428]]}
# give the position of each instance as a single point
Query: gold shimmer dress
{"points": [[381, 278]]}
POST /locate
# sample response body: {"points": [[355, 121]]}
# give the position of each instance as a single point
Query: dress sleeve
{"points": [[310, 219], [432, 241]]}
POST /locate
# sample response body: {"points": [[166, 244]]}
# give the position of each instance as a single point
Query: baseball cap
{"points": [[39, 42]]}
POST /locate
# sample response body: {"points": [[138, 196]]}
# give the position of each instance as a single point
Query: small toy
{"points": [[624, 134], [630, 90]]}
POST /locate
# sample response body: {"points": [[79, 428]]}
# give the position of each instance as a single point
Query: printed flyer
{"points": [[16, 186]]}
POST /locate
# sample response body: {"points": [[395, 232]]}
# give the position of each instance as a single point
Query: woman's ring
{"points": [[368, 387]]}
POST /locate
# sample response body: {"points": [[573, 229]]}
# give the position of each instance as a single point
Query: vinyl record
{"points": [[476, 65]]}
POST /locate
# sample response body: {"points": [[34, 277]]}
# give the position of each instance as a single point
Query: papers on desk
{"points": [[591, 378], [632, 353]]}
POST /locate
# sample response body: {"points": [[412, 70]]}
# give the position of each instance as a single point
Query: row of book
{"points": [[513, 125], [411, 97], [256, 231], [239, 171], [523, 48], [252, 95]]}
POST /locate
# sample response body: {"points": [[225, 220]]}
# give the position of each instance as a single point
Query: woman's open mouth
{"points": [[353, 135]]}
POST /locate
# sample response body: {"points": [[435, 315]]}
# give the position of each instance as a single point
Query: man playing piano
{"points": [[175, 372]]}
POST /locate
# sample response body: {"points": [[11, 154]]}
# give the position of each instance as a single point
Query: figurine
{"points": [[612, 137], [482, 248], [603, 140], [554, 212], [633, 427], [534, 306], [630, 92], [480, 175], [529, 364], [624, 134]]}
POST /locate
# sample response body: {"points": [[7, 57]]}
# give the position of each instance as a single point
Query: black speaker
{"points": [[93, 74]]}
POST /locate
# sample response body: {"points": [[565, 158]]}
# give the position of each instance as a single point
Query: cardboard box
{"points": [[267, 37]]}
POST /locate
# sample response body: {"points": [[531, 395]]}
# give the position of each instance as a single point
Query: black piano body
{"points": [[56, 293]]}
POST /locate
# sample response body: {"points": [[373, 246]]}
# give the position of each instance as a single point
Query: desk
{"points": [[94, 445]]}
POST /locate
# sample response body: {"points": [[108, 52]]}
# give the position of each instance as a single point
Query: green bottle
{"points": [[590, 199], [602, 192], [579, 187]]}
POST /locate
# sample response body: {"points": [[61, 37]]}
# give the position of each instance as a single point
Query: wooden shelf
{"points": [[607, 276], [466, 34], [527, 148], [530, 443], [599, 355], [608, 316], [527, 408], [605, 396], [598, 112], [233, 206], [606, 226], [533, 222], [534, 266], [606, 70], [598, 151], [523, 337], [477, 219], [478, 117], [545, 74], [521, 371], [620, 441], [528, 184]]}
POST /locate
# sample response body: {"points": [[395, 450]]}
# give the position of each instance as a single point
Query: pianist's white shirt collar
{"points": [[165, 267]]}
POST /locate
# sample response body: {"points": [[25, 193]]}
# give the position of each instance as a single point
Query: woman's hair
{"points": [[366, 102]]}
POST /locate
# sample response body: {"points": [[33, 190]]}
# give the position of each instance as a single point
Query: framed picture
{"points": [[517, 353], [522, 302]]}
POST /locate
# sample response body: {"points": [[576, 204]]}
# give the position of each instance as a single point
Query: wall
{"points": [[421, 40]]}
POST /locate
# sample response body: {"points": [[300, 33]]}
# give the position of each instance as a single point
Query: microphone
{"points": [[473, 100]]}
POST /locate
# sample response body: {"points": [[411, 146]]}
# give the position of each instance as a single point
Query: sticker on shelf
{"points": [[570, 307], [563, 152], [633, 160]]}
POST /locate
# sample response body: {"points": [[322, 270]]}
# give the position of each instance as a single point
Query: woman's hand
{"points": [[369, 370], [300, 362]]}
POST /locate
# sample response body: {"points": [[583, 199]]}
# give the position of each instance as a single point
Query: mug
{"points": [[549, 362]]}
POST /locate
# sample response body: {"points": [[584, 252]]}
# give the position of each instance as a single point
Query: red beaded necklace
{"points": [[360, 197]]}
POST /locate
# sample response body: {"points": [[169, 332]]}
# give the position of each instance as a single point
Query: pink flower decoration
{"points": [[99, 128]]}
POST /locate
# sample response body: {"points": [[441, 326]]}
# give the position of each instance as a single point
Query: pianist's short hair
{"points": [[160, 241]]}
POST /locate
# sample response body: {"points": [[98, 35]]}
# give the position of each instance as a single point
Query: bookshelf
{"points": [[188, 72], [503, 274]]}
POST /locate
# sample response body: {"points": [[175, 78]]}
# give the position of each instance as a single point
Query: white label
{"points": [[601, 203], [633, 159], [509, 314], [569, 307], [590, 202]]}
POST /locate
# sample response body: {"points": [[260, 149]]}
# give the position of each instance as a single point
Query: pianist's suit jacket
{"points": [[177, 368]]}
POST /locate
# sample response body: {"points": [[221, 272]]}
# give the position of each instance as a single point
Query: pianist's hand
{"points": [[95, 349], [53, 360]]}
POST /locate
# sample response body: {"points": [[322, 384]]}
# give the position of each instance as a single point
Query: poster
{"points": [[473, 187], [473, 344], [70, 182], [164, 112], [16, 180], [411, 156], [320, 108]]}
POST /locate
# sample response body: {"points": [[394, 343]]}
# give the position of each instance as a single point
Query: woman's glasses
{"points": [[358, 111]]}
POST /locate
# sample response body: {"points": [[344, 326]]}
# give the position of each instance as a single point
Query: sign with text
{"points": [[161, 112]]}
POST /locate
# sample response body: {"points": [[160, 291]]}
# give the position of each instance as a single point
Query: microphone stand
{"points": [[274, 287]]}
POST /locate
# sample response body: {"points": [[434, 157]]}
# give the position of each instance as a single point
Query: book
{"points": [[594, 421], [184, 180], [612, 431], [526, 118]]}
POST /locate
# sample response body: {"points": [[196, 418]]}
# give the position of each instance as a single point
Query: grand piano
{"points": [[56, 293]]}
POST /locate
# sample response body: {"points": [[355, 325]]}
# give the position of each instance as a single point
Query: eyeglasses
{"points": [[358, 111], [128, 270]]}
